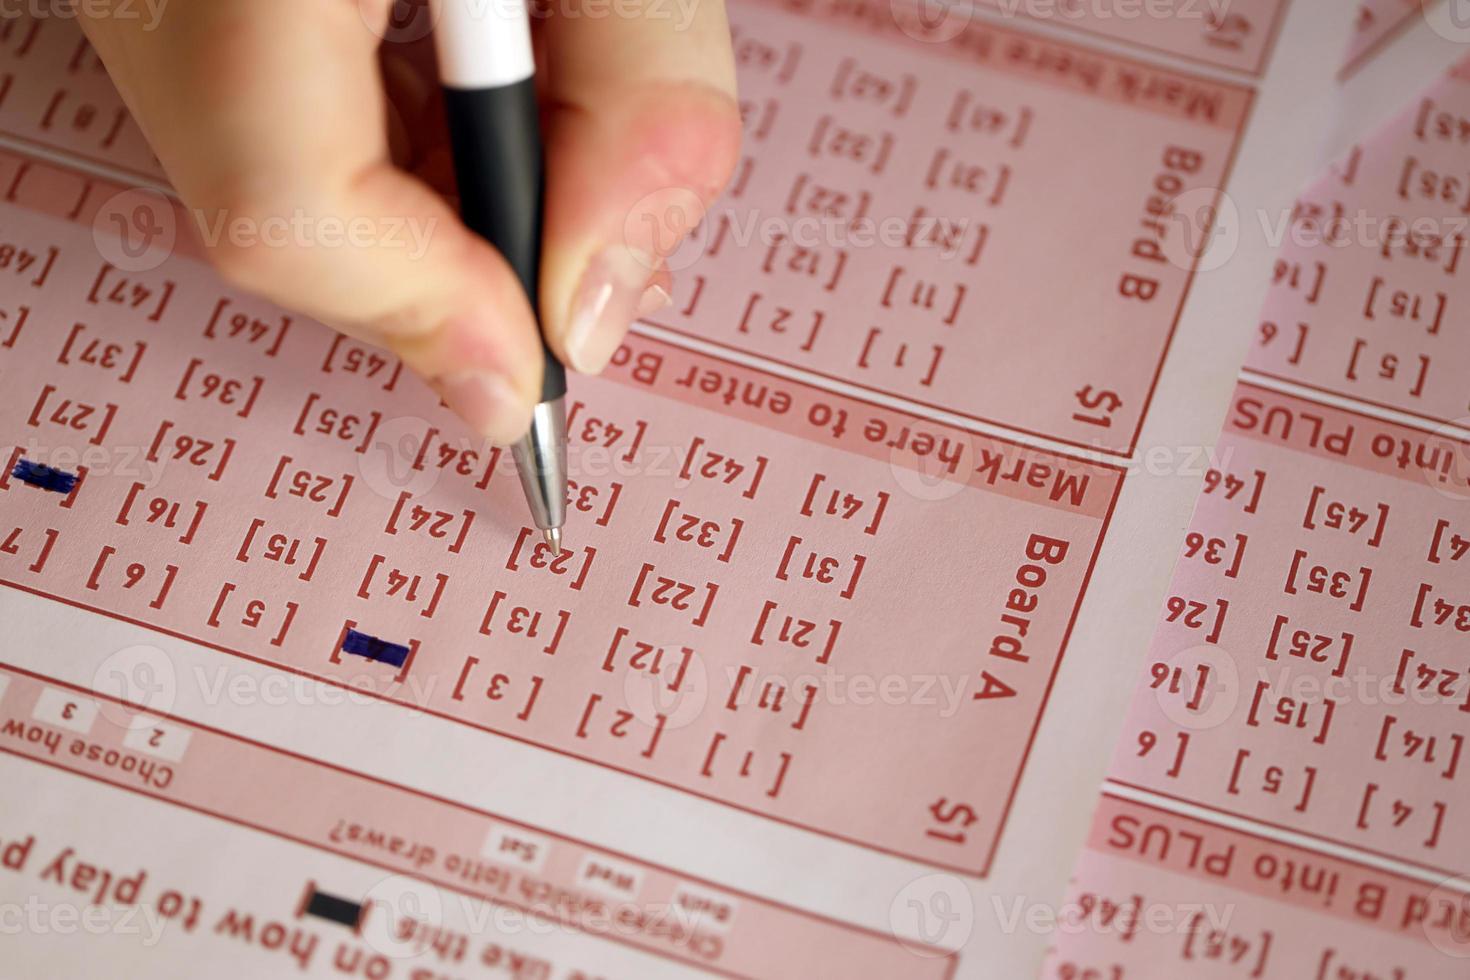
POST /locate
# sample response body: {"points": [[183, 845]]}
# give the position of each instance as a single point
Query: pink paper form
{"points": [[689, 922], [1306, 698], [1378, 23], [964, 168], [349, 505], [832, 611], [948, 169], [1237, 35]]}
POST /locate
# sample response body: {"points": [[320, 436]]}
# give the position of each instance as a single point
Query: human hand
{"points": [[271, 111]]}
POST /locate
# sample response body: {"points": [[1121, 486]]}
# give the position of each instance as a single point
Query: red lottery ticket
{"points": [[1379, 21], [1294, 750], [862, 527]]}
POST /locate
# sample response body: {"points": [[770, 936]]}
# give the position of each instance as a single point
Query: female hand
{"points": [[272, 111]]}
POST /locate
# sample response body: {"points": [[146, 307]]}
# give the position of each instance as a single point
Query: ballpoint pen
{"points": [[487, 68]]}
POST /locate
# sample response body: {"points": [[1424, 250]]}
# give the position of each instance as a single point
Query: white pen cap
{"points": [[483, 43]]}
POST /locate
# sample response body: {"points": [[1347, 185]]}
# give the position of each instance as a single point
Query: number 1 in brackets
{"points": [[898, 355], [725, 761]]}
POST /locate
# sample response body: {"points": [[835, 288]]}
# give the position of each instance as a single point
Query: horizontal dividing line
{"points": [[1113, 459], [1284, 835], [1332, 399]]}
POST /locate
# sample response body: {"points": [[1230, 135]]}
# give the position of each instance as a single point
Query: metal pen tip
{"points": [[552, 537]]}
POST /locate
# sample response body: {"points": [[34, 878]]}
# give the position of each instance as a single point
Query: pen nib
{"points": [[552, 537]]}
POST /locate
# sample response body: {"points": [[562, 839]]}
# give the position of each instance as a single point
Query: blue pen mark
{"points": [[374, 649], [44, 477]]}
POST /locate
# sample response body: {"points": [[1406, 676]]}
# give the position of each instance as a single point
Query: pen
{"points": [[487, 69]]}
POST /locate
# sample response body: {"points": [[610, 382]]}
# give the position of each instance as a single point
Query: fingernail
{"points": [[607, 300], [654, 298], [488, 403]]}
